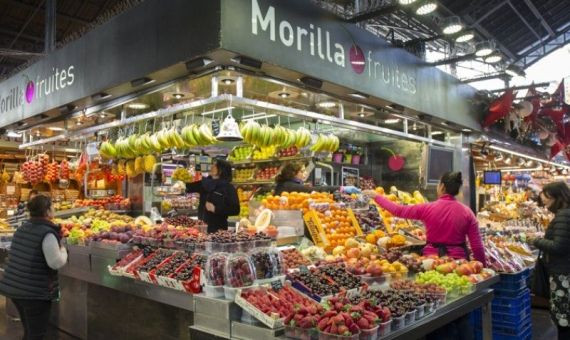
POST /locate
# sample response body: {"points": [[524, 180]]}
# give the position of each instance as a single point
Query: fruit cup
{"points": [[239, 271], [385, 328], [420, 312], [369, 334], [215, 274], [327, 336], [410, 317], [300, 333], [398, 323]]}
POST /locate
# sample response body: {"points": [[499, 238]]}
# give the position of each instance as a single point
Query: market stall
{"points": [[137, 251]]}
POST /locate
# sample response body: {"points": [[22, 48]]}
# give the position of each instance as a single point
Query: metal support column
{"points": [[50, 22]]}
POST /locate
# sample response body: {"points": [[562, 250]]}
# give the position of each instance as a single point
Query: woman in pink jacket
{"points": [[447, 221]]}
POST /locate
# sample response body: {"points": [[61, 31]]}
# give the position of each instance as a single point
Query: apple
{"points": [[444, 268], [478, 266], [464, 269]]}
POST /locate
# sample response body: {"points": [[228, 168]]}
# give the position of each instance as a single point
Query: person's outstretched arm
{"points": [[414, 212], [475, 240]]}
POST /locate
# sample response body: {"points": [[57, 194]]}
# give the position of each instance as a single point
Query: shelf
{"points": [[254, 182], [269, 160], [70, 212]]}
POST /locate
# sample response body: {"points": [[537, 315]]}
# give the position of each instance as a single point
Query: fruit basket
{"points": [[313, 284], [145, 272], [385, 328], [369, 334], [268, 263], [120, 267], [168, 268], [214, 273]]}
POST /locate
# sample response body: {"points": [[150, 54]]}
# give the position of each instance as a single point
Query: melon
{"points": [[263, 219], [143, 220]]}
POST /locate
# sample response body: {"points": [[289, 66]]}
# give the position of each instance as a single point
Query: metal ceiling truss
{"points": [[539, 51]]}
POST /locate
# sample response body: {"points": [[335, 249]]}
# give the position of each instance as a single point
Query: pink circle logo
{"points": [[30, 91], [357, 60]]}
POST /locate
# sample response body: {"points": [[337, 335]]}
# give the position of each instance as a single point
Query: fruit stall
{"points": [[299, 265]]}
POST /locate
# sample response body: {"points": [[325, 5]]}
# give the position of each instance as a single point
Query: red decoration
{"points": [[535, 101], [395, 162], [557, 116], [555, 149], [499, 108]]}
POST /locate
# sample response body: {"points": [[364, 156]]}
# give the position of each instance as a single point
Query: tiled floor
{"points": [[543, 328]]}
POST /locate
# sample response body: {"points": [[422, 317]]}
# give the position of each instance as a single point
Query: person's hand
{"points": [[349, 189], [210, 207], [530, 239], [370, 193]]}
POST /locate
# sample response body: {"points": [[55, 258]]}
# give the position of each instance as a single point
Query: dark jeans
{"points": [[35, 317], [563, 333]]}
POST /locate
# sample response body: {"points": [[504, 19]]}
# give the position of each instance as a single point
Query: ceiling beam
{"points": [[537, 14], [489, 36], [491, 11], [22, 35], [70, 18], [372, 14], [525, 22]]}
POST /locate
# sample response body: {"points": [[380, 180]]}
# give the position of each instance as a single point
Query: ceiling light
{"points": [[406, 2], [493, 58], [465, 36], [258, 117], [198, 63], [227, 81], [56, 128], [326, 105], [247, 61], [78, 123], [361, 115], [484, 48], [452, 25], [218, 110], [358, 95], [508, 160], [391, 121], [466, 130], [137, 106], [515, 71], [426, 7], [100, 95], [13, 134], [177, 95], [142, 81], [103, 115], [437, 133], [284, 94], [311, 82]]}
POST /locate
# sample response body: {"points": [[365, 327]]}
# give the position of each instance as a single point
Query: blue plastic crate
{"points": [[509, 293], [520, 317], [525, 334], [507, 328], [522, 275], [512, 285], [511, 305]]}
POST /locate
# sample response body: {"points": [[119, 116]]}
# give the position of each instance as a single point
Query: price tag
{"points": [[10, 190], [215, 127], [276, 285]]}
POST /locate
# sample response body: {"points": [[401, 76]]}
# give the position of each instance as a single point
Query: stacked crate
{"points": [[511, 309]]}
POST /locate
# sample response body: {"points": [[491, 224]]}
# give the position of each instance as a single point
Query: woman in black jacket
{"points": [[218, 197], [556, 249], [30, 279], [292, 177]]}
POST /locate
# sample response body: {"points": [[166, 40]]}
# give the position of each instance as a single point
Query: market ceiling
{"points": [[524, 31], [22, 26]]}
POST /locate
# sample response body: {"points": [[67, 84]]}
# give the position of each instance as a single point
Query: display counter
{"points": [[96, 305]]}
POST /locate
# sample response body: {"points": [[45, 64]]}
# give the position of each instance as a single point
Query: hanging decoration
{"points": [[539, 118]]}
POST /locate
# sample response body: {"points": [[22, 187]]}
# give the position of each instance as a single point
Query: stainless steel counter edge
{"points": [[97, 274]]}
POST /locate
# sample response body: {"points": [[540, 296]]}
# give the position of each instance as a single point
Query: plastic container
{"points": [[327, 336], [369, 334], [215, 268], [214, 291], [385, 328], [267, 262], [355, 159], [420, 312], [398, 323], [337, 157], [262, 243], [238, 271], [231, 247], [430, 307], [230, 292], [300, 333], [410, 317]]}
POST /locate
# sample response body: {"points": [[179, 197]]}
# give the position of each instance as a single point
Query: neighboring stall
{"points": [[141, 115]]}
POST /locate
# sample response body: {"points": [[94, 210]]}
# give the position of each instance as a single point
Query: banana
{"points": [[155, 143], [207, 134], [179, 142]]}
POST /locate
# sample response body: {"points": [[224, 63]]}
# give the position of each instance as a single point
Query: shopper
{"points": [[555, 247], [292, 178], [447, 221], [218, 197], [30, 279]]}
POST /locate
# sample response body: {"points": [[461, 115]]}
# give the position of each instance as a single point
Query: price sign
{"points": [[215, 127], [276, 285]]}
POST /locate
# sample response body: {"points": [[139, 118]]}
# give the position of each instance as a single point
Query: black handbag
{"points": [[540, 283]]}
